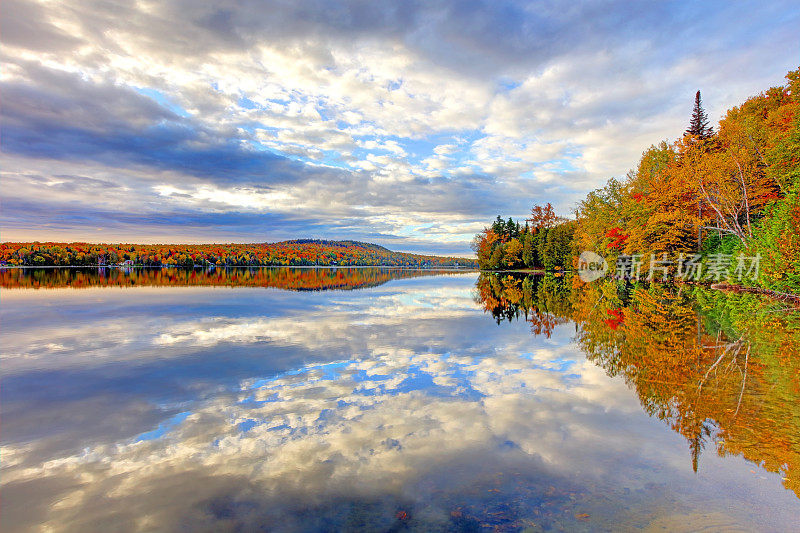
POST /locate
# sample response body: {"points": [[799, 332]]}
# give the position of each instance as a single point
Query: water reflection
{"points": [[398, 407], [287, 278], [722, 370]]}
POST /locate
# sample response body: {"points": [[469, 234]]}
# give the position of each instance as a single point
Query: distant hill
{"points": [[288, 278], [341, 244], [298, 252]]}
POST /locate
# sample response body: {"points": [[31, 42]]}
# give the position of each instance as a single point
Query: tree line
{"points": [[730, 191], [286, 253], [543, 242]]}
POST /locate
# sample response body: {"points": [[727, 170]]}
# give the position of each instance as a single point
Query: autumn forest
{"points": [[302, 252], [734, 189]]}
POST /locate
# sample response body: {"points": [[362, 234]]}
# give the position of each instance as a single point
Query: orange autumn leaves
{"points": [[286, 253], [699, 193]]}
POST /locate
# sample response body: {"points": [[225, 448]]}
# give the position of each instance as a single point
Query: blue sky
{"points": [[411, 124]]}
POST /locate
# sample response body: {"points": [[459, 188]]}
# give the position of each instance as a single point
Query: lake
{"points": [[392, 400]]}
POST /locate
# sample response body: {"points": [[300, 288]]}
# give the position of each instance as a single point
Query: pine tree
{"points": [[698, 125]]}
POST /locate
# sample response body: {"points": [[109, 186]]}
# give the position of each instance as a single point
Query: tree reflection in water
{"points": [[722, 370], [287, 278]]}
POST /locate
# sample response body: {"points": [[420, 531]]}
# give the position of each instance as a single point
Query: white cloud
{"points": [[512, 95]]}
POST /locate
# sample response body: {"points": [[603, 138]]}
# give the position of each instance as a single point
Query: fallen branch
{"points": [[782, 296]]}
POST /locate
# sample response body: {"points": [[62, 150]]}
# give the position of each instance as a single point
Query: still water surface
{"points": [[384, 400]]}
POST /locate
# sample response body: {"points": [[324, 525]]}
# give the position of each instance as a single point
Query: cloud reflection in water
{"points": [[218, 409]]}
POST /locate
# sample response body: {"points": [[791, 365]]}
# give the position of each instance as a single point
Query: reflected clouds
{"points": [[286, 409]]}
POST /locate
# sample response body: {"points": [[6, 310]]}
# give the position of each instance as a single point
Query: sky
{"points": [[407, 124]]}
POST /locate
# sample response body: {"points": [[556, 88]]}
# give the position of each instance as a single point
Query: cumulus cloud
{"points": [[353, 119]]}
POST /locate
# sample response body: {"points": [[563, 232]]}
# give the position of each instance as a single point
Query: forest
{"points": [[545, 241], [729, 190], [302, 252]]}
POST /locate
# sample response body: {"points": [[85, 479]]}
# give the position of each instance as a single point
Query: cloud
{"points": [[380, 121]]}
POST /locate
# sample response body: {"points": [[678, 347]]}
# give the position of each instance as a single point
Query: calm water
{"points": [[386, 400]]}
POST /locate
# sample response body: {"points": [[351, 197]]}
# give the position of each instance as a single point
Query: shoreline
{"points": [[214, 267]]}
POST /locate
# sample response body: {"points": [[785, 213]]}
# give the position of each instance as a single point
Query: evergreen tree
{"points": [[698, 125], [511, 228], [528, 249], [499, 227]]}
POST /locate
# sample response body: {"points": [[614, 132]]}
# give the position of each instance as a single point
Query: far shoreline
{"points": [[214, 267]]}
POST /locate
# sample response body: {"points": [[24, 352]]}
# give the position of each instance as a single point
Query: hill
{"points": [[299, 252], [338, 244]]}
